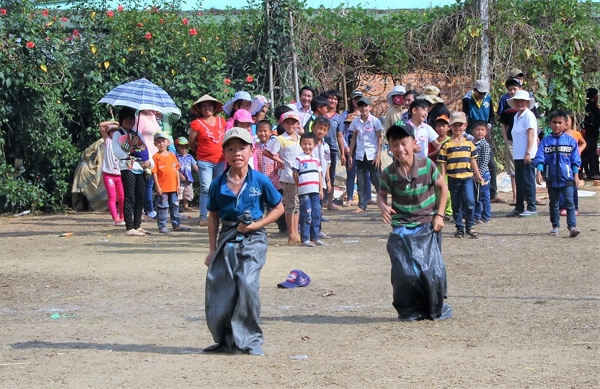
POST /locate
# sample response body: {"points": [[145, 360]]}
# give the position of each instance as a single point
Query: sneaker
{"points": [[307, 243], [513, 213], [323, 235], [133, 232], [319, 242], [563, 212], [554, 231], [152, 215], [119, 223], [528, 214], [573, 232]]}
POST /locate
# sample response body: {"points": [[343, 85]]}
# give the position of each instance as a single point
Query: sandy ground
{"points": [[526, 309]]}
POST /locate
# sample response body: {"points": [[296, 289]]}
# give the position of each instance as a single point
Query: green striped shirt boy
{"points": [[413, 197]]}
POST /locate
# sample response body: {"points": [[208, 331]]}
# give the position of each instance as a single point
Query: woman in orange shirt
{"points": [[205, 141]]}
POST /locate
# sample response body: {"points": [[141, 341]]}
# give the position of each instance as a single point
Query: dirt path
{"points": [[526, 309]]}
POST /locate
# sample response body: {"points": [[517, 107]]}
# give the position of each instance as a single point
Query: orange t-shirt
{"points": [[166, 168], [209, 140], [577, 136]]}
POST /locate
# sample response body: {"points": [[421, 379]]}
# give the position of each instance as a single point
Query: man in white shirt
{"points": [[524, 134], [302, 107], [367, 139]]}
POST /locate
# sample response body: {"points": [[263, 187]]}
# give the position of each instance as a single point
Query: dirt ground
{"points": [[131, 310]]}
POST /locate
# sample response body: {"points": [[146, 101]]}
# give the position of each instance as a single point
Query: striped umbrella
{"points": [[141, 95]]}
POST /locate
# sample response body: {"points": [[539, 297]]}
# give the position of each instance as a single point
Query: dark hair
{"points": [[318, 102], [411, 92], [308, 88], [417, 103], [265, 123], [322, 121], [479, 123], [559, 113], [512, 82], [309, 135], [332, 92], [397, 132], [280, 110], [126, 113]]}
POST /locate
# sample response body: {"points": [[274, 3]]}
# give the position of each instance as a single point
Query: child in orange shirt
{"points": [[581, 145], [166, 181]]}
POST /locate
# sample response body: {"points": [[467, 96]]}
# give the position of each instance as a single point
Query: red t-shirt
{"points": [[166, 168], [209, 140]]}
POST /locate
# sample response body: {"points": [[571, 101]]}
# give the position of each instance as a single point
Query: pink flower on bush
{"points": [[193, 31], [199, 13], [249, 79], [64, 19], [162, 21], [76, 33], [140, 25], [148, 36], [120, 8], [227, 81], [47, 38], [30, 45], [44, 12], [185, 21], [2, 11], [110, 14]]}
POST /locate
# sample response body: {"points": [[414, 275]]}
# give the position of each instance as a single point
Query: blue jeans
{"points": [[463, 202], [351, 180], [561, 200], [483, 207], [207, 171], [310, 216], [165, 204], [148, 193], [567, 193]]}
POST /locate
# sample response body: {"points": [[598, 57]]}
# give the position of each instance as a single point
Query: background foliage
{"points": [[56, 64]]}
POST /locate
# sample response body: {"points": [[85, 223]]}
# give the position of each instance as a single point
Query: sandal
{"points": [[181, 228], [472, 233], [479, 221], [554, 231], [459, 233]]}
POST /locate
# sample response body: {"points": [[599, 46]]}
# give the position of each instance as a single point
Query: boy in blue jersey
{"points": [[558, 159], [236, 200]]}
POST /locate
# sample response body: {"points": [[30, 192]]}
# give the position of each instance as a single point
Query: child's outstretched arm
{"points": [[213, 228], [438, 218]]}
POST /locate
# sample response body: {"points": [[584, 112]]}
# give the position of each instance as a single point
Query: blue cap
{"points": [[295, 279]]}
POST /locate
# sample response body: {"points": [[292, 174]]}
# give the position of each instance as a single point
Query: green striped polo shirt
{"points": [[413, 197]]}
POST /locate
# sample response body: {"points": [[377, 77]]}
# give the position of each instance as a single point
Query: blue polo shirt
{"points": [[256, 191]]}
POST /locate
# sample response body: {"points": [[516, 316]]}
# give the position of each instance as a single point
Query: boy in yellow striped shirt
{"points": [[457, 158]]}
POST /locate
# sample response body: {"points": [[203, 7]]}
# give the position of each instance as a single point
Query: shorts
{"points": [[508, 155], [186, 192], [291, 204]]}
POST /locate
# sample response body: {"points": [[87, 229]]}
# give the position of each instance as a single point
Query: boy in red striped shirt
{"points": [[307, 175]]}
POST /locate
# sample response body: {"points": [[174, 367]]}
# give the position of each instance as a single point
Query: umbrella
{"points": [[141, 95]]}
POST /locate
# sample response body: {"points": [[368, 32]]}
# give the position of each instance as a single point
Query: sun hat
{"points": [[431, 94], [262, 101], [398, 90], [458, 117], [482, 86], [161, 135], [364, 100], [241, 95], [356, 93], [181, 141], [289, 115], [521, 95], [242, 116], [196, 106], [514, 73], [238, 133], [444, 118], [296, 278]]}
